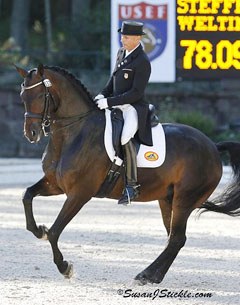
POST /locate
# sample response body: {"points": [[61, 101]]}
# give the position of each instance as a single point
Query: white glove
{"points": [[98, 97], [102, 103]]}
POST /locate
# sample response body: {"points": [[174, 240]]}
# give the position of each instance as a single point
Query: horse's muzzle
{"points": [[33, 132]]}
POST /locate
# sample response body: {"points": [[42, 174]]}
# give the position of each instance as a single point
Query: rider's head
{"points": [[131, 34]]}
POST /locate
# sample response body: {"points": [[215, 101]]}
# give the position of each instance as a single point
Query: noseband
{"points": [[45, 117]]}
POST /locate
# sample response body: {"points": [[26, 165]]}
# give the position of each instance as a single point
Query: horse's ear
{"points": [[40, 69], [21, 71]]}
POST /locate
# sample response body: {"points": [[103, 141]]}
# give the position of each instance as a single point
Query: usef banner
{"points": [[158, 17]]}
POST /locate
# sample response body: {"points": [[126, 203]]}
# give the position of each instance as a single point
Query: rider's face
{"points": [[130, 42]]}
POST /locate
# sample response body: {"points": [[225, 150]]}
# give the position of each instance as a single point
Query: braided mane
{"points": [[72, 79]]}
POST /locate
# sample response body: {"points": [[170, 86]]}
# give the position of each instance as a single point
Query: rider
{"points": [[125, 90]]}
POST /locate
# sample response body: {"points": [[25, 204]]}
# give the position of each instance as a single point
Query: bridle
{"points": [[45, 117]]}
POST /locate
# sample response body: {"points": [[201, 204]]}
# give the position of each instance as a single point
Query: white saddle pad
{"points": [[148, 156]]}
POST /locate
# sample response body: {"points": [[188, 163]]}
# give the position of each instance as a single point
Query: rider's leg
{"points": [[130, 155], [131, 189]]}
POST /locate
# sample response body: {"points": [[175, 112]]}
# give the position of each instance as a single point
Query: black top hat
{"points": [[131, 28]]}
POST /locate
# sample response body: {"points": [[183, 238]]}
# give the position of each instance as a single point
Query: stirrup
{"points": [[130, 193]]}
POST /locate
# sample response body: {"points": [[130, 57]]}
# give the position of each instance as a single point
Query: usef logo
{"points": [[154, 18]]}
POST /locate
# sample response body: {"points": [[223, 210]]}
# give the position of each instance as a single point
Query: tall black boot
{"points": [[131, 191]]}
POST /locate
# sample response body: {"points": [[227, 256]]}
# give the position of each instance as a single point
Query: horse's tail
{"points": [[228, 202]]}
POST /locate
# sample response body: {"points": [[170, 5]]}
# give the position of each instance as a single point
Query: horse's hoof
{"points": [[44, 231], [141, 279], [69, 271], [144, 278]]}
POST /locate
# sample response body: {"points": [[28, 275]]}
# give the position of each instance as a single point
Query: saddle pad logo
{"points": [[154, 18], [151, 156]]}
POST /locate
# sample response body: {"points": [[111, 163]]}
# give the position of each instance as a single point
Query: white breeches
{"points": [[130, 126]]}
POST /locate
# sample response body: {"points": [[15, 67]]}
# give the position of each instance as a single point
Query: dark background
{"points": [[75, 34]]}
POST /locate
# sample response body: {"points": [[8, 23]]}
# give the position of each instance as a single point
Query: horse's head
{"points": [[38, 102], [52, 94]]}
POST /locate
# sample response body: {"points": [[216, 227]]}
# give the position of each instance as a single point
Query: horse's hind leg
{"points": [[41, 188], [166, 210], [155, 272]]}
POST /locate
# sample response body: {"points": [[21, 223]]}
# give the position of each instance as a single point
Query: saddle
{"points": [[116, 168], [117, 127]]}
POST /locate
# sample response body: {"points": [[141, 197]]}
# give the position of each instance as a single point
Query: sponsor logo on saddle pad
{"points": [[151, 156]]}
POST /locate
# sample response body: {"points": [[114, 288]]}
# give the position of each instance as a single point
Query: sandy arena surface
{"points": [[109, 245]]}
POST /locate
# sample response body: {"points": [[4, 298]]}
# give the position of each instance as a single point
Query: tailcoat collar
{"points": [[121, 61]]}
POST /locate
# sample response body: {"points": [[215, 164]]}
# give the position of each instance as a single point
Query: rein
{"points": [[45, 117], [76, 119]]}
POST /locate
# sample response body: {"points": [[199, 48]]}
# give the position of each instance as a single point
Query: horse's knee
{"points": [[27, 197]]}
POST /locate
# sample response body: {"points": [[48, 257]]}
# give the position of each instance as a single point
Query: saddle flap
{"points": [[117, 127]]}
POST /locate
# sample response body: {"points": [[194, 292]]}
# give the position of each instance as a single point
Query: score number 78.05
{"points": [[200, 53]]}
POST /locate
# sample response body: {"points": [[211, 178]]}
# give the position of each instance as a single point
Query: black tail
{"points": [[228, 202]]}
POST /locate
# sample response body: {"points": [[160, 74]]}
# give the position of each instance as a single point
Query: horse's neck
{"points": [[74, 108], [73, 137], [72, 101]]}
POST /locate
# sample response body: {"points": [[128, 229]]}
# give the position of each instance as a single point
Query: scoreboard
{"points": [[207, 39], [185, 39]]}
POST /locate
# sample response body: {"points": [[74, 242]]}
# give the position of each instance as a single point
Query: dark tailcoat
{"points": [[127, 85]]}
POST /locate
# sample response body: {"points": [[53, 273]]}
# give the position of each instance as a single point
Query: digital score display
{"points": [[208, 39]]}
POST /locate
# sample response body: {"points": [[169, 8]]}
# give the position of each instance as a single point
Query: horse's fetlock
{"points": [[29, 228]]}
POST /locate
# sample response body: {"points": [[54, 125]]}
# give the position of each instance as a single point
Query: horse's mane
{"points": [[72, 79]]}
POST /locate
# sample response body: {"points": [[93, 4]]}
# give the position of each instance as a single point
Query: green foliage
{"points": [[195, 119], [80, 44], [227, 135], [4, 29], [200, 121]]}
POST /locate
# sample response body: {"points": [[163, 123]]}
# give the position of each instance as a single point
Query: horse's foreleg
{"points": [[41, 188], [155, 272], [70, 208]]}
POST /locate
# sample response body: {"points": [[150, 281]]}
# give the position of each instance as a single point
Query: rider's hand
{"points": [[98, 97], [102, 103]]}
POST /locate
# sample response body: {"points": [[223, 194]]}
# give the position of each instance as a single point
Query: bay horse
{"points": [[75, 163]]}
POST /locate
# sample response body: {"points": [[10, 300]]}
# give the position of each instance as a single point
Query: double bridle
{"points": [[45, 117]]}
